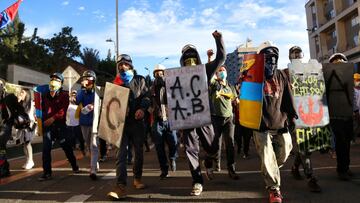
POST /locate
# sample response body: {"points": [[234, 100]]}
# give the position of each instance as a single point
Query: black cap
{"points": [[58, 75]]}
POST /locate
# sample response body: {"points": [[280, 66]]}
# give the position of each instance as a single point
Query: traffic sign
{"points": [[70, 77]]}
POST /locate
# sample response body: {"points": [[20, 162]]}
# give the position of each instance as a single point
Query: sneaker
{"points": [[233, 175], [196, 190], [163, 175], [45, 177], [296, 173], [313, 186], [76, 170], [93, 176], [217, 166], [275, 196], [28, 165], [173, 165], [138, 184], [344, 176], [118, 192]]}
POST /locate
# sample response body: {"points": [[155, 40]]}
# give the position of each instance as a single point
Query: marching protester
{"points": [[205, 135], [343, 130], [11, 114], [134, 130], [26, 135], [272, 140], [72, 123], [161, 128], [85, 97], [222, 94], [54, 104], [302, 158]]}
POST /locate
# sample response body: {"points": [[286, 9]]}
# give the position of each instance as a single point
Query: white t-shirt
{"points": [[70, 115]]}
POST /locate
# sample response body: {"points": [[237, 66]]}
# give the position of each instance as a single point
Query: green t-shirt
{"points": [[221, 96]]}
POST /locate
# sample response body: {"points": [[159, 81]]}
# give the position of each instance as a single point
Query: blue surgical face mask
{"points": [[222, 75], [127, 76]]}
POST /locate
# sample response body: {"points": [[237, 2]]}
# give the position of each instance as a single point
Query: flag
{"points": [[9, 14]]}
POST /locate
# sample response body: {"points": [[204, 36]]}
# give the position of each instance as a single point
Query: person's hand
{"points": [[49, 121], [217, 35], [90, 107], [139, 114], [210, 53], [291, 125], [59, 114]]}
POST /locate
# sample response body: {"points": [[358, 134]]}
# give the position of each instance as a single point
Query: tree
{"points": [[63, 47], [90, 58]]}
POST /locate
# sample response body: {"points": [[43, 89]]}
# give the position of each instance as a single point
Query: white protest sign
{"points": [[113, 113], [187, 97], [70, 77]]}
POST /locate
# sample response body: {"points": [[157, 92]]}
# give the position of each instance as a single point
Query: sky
{"points": [[151, 30]]}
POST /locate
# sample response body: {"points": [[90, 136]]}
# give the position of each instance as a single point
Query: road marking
{"points": [[78, 198], [25, 174], [33, 192]]}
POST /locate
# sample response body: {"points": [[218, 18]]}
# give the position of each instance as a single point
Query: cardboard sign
{"points": [[70, 77], [188, 97], [313, 139], [251, 91], [113, 113], [308, 90], [339, 89]]}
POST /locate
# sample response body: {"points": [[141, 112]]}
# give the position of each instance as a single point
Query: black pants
{"points": [[242, 136], [56, 133], [224, 128], [343, 130], [103, 148], [76, 135], [303, 159], [192, 139]]}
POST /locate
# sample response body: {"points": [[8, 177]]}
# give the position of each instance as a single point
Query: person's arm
{"points": [[288, 105], [220, 55], [145, 100]]}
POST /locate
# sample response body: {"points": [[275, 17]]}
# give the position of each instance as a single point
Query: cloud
{"points": [[65, 3], [163, 31], [81, 8], [99, 15]]}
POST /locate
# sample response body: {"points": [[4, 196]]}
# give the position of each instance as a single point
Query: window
{"points": [[354, 21], [333, 34], [356, 40]]}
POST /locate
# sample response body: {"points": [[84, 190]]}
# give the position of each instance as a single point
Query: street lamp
{"points": [[146, 68], [110, 40], [166, 58]]}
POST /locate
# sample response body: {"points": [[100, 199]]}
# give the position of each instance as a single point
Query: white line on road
{"points": [[78, 198]]}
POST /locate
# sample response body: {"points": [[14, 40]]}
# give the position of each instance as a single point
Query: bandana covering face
{"points": [[54, 85], [127, 76], [190, 62]]}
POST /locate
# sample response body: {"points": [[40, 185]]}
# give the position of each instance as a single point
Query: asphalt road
{"points": [[22, 185]]}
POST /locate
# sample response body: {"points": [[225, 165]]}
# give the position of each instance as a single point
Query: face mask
{"points": [[127, 76], [54, 85], [190, 62], [222, 75], [270, 66]]}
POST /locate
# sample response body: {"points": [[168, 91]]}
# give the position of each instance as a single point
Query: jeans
{"points": [[134, 132], [161, 135], [56, 133]]}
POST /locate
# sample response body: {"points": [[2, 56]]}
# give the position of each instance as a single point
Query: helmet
{"points": [[189, 51], [158, 67], [292, 50], [124, 58], [89, 74], [356, 76], [58, 75], [267, 45], [337, 56]]}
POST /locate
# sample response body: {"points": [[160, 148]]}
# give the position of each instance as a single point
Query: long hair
{"points": [[26, 103]]}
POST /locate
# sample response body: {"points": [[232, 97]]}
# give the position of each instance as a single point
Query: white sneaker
{"points": [[196, 190], [28, 165]]}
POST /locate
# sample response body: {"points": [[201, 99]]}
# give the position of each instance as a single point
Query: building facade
{"points": [[333, 26], [234, 61]]}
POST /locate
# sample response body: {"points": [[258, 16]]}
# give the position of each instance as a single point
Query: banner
{"points": [[313, 139], [188, 97], [251, 91], [113, 113]]}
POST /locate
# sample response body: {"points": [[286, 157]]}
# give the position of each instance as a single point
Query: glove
{"points": [[59, 114], [291, 125]]}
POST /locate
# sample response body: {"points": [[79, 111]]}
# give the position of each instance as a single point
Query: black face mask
{"points": [[270, 65], [159, 81]]}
